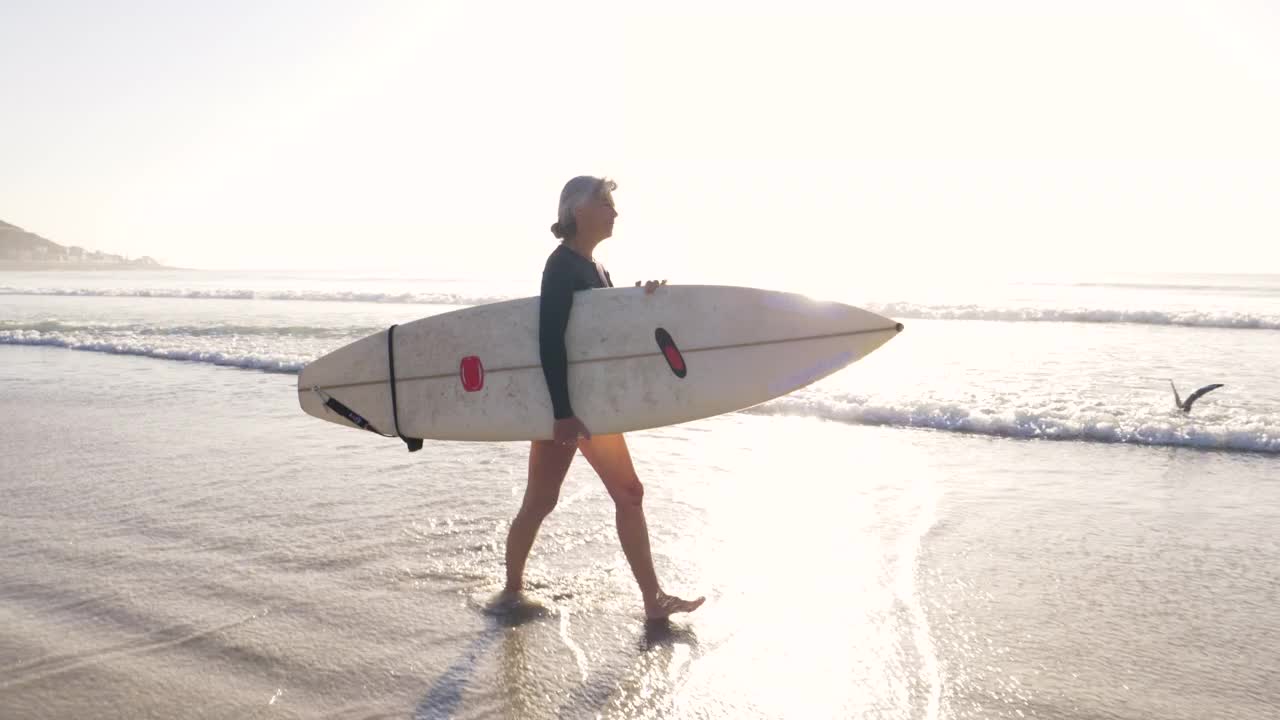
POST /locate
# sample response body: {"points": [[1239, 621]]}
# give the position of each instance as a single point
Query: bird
{"points": [[1185, 405]]}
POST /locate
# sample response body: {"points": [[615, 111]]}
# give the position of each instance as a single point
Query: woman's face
{"points": [[595, 217]]}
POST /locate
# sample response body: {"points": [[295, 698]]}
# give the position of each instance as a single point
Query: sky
{"points": [[750, 140]]}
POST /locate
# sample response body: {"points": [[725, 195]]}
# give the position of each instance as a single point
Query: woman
{"points": [[585, 219]]}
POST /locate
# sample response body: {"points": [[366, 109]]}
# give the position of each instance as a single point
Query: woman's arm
{"points": [[553, 320]]}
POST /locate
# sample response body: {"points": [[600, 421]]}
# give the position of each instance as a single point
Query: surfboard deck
{"points": [[636, 361]]}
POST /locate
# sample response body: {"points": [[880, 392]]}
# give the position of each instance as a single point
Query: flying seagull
{"points": [[1185, 405]]}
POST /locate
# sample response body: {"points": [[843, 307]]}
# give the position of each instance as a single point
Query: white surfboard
{"points": [[635, 361]]}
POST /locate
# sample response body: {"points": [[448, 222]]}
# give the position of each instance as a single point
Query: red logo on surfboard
{"points": [[471, 372]]}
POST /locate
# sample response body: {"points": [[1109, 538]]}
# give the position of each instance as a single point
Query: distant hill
{"points": [[24, 250]]}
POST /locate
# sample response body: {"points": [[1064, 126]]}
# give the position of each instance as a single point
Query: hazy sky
{"points": [[768, 138]]}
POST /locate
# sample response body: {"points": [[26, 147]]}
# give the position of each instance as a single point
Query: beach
{"points": [[997, 515]]}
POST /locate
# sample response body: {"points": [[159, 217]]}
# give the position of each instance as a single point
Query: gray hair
{"points": [[576, 192]]}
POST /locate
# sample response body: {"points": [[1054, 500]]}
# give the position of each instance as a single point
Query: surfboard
{"points": [[636, 361]]}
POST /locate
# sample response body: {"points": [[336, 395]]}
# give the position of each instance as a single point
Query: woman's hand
{"points": [[651, 286], [568, 430]]}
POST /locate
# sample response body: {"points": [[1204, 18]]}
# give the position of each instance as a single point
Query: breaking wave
{"points": [[1050, 421], [1136, 427], [172, 349], [1229, 320], [212, 330], [1183, 318], [427, 298]]}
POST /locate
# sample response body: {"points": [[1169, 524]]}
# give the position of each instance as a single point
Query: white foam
{"points": [[127, 345], [430, 298], [1185, 318], [1230, 320], [225, 330], [1134, 426], [1051, 420]]}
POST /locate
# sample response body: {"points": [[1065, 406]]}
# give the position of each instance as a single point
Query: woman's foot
{"points": [[665, 605], [506, 602], [515, 608]]}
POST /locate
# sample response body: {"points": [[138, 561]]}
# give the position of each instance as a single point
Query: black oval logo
{"points": [[672, 353]]}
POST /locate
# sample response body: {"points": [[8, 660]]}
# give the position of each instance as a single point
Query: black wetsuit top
{"points": [[566, 272]]}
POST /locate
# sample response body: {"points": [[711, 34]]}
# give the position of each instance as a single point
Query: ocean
{"points": [[999, 514]]}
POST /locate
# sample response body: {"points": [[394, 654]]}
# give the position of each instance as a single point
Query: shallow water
{"points": [[201, 549], [997, 515]]}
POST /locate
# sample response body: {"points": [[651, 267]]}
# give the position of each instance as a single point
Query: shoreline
{"points": [[28, 266]]}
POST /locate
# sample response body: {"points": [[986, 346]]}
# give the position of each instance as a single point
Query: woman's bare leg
{"points": [[548, 464], [610, 458]]}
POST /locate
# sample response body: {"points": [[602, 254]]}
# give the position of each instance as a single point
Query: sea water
{"points": [[999, 514]]}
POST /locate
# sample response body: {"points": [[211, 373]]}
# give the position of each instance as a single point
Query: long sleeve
{"points": [[553, 319]]}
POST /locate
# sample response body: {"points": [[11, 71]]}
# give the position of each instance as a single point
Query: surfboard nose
{"points": [[885, 323]]}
